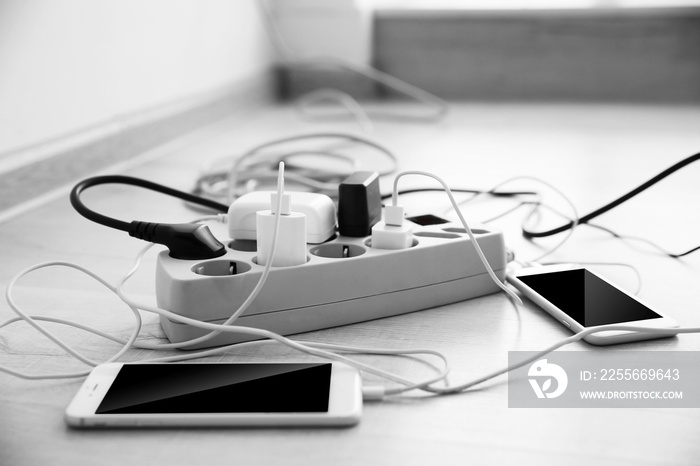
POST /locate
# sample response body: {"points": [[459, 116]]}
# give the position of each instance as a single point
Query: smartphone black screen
{"points": [[218, 388], [587, 299]]}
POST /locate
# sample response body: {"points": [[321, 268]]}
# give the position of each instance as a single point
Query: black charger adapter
{"points": [[359, 204]]}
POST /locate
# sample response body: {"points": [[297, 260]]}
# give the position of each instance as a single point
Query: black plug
{"points": [[359, 204], [188, 241]]}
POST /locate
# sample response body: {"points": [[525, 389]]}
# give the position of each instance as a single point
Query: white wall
{"points": [[66, 65], [320, 29]]}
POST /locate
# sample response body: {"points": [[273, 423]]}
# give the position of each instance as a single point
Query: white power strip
{"points": [[344, 281]]}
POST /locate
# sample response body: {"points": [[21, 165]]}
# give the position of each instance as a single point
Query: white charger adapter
{"points": [[291, 242], [393, 231], [318, 209]]}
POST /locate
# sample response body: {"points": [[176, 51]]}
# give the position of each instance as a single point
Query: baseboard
{"points": [[293, 82], [31, 174]]}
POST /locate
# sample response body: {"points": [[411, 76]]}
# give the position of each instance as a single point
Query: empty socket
{"points": [[338, 250], [221, 268]]}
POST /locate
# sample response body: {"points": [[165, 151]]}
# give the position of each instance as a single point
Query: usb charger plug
{"points": [[291, 239], [393, 232]]}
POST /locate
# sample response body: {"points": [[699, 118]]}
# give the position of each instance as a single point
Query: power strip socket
{"points": [[344, 281]]}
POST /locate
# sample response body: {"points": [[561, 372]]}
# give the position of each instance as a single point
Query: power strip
{"points": [[344, 281]]}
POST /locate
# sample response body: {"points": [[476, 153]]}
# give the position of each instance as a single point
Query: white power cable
{"points": [[566, 341], [438, 107], [234, 173], [537, 203], [251, 297], [305, 107], [120, 292], [33, 322], [395, 196]]}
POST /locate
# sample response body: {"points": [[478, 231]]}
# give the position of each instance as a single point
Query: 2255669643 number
{"points": [[639, 374]]}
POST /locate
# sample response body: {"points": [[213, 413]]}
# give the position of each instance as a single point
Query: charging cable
{"points": [[536, 205], [437, 107], [480, 253], [229, 177], [305, 107], [236, 174]]}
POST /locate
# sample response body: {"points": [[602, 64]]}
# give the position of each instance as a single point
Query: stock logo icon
{"points": [[541, 374]]}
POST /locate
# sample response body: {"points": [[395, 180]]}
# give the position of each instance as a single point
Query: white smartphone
{"points": [[218, 394], [578, 298]]}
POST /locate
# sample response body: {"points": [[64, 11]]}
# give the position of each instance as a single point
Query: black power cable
{"points": [[184, 240], [586, 218], [467, 191]]}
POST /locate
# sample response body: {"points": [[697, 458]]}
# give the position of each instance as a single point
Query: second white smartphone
{"points": [[219, 394], [578, 299]]}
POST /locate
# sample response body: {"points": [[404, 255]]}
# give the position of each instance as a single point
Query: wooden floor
{"points": [[592, 152]]}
